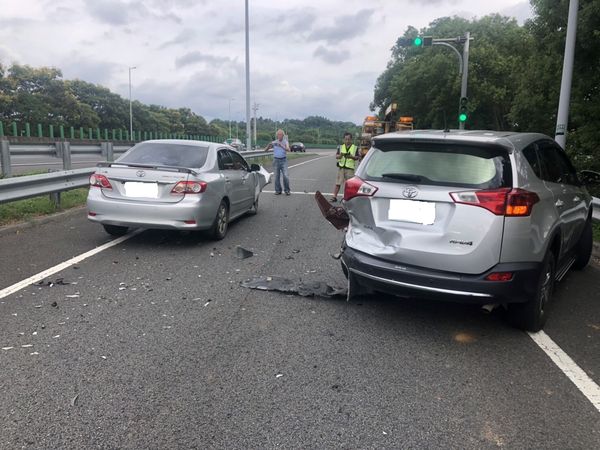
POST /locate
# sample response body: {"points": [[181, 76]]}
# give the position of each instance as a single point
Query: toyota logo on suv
{"points": [[410, 192]]}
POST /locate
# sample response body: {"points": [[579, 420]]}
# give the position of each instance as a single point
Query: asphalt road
{"points": [[157, 346]]}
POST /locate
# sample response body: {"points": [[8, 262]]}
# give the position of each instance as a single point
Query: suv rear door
{"points": [[560, 178], [425, 210]]}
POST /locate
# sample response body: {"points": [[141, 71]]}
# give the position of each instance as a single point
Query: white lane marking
{"points": [[309, 161], [298, 192], [52, 270], [584, 383]]}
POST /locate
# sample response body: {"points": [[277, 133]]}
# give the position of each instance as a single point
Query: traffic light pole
{"points": [[465, 73], [463, 64]]}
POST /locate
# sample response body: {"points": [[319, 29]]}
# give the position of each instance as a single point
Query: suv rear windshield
{"points": [[440, 165], [174, 155]]}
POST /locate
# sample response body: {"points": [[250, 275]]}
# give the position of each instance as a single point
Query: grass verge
{"points": [[23, 210], [596, 231]]}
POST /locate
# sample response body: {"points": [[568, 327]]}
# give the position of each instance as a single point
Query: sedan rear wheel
{"points": [[115, 230], [221, 223]]}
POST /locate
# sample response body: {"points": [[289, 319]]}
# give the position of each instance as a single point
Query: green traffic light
{"points": [[462, 117], [418, 41]]}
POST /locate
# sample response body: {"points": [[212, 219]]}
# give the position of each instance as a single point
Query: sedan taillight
{"points": [[189, 187], [356, 187], [97, 180]]}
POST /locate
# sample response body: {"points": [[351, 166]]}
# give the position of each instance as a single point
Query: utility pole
{"points": [[255, 108], [248, 131], [562, 119], [130, 107]]}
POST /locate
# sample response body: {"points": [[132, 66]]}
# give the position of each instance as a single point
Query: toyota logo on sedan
{"points": [[141, 173], [410, 192]]}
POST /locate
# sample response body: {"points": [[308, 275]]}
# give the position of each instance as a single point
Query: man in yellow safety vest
{"points": [[346, 162]]}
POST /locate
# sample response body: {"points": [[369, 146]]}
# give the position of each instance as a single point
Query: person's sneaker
{"points": [[287, 192], [277, 193], [333, 199]]}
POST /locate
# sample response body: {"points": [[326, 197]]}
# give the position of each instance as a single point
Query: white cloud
{"points": [[308, 57]]}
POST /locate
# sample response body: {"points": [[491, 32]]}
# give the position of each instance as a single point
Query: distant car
{"points": [[236, 144], [478, 217], [297, 147], [175, 184]]}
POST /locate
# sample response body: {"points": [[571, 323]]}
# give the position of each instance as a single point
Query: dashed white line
{"points": [[584, 383], [52, 270]]}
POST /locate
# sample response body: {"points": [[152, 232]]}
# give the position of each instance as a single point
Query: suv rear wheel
{"points": [[583, 249], [531, 315]]}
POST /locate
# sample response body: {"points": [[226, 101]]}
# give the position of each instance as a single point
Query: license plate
{"points": [[412, 211], [145, 190]]}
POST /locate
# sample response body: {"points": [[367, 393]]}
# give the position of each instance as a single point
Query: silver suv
{"points": [[469, 216]]}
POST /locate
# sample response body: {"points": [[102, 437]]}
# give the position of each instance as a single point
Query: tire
{"points": [[115, 230], [531, 315], [218, 230], [583, 249]]}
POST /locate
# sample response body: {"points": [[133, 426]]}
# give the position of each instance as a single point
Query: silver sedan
{"points": [[175, 184]]}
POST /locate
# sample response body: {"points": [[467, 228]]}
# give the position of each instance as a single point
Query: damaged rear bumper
{"points": [[418, 282]]}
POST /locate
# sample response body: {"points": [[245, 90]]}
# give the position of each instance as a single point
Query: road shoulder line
{"points": [[565, 363], [52, 270]]}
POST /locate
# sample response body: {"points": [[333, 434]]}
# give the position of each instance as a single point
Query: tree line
{"points": [[40, 95], [514, 76]]}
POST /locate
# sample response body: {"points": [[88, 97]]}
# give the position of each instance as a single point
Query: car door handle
{"points": [[559, 203]]}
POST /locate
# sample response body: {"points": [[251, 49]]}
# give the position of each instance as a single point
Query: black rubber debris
{"points": [[298, 287]]}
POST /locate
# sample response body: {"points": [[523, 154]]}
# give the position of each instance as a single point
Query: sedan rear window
{"points": [[159, 154], [441, 165]]}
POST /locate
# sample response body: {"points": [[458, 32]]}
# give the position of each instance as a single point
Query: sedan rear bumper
{"points": [[191, 213], [418, 282]]}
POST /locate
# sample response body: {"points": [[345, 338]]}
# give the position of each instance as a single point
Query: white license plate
{"points": [[412, 211], [145, 190]]}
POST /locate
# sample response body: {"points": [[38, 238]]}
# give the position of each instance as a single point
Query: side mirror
{"points": [[254, 168], [589, 177]]}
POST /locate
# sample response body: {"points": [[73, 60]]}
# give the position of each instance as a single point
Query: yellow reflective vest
{"points": [[344, 162]]}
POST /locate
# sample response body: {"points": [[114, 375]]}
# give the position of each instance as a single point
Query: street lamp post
{"points": [[248, 132], [562, 118], [130, 108], [230, 100]]}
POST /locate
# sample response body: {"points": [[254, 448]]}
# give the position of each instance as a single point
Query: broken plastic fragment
{"points": [[242, 253], [303, 288]]}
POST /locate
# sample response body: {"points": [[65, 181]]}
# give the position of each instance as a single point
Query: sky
{"points": [[307, 57]]}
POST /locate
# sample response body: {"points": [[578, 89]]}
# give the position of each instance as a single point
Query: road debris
{"points": [[50, 283], [279, 375], [72, 296], [302, 288], [54, 304], [74, 400], [27, 345], [7, 348], [336, 215], [243, 253]]}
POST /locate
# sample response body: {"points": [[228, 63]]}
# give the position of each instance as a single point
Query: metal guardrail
{"points": [[596, 209], [20, 188]]}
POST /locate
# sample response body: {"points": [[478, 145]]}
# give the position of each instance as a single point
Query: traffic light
{"points": [[427, 41], [463, 111], [418, 41]]}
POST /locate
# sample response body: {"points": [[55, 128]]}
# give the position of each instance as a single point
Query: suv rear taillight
{"points": [[100, 181], [356, 187], [189, 187], [501, 202]]}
